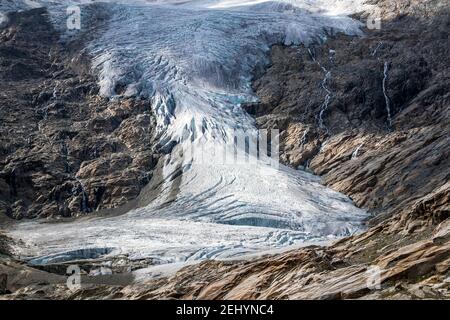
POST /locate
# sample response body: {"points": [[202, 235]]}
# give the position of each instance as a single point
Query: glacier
{"points": [[194, 62]]}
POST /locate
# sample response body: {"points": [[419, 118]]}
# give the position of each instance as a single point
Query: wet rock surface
{"points": [[64, 150]]}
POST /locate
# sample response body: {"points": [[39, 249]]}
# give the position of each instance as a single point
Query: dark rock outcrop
{"points": [[370, 115], [3, 283], [64, 150]]}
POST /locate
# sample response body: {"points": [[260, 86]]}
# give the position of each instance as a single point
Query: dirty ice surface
{"points": [[193, 61]]}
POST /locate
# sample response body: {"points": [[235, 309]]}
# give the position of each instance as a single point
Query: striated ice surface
{"points": [[193, 61]]}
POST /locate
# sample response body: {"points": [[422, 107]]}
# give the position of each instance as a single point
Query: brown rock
{"points": [[3, 283], [399, 170]]}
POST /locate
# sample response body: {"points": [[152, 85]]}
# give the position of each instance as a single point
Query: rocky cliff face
{"points": [[370, 115], [64, 150]]}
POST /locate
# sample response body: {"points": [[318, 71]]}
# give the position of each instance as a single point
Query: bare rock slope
{"points": [[370, 115], [64, 150]]}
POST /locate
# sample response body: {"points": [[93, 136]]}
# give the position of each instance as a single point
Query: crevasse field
{"points": [[193, 61]]}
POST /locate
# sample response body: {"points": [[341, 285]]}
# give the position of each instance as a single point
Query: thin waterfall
{"points": [[386, 97]]}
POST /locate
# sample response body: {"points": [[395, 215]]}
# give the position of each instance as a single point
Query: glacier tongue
{"points": [[194, 60]]}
